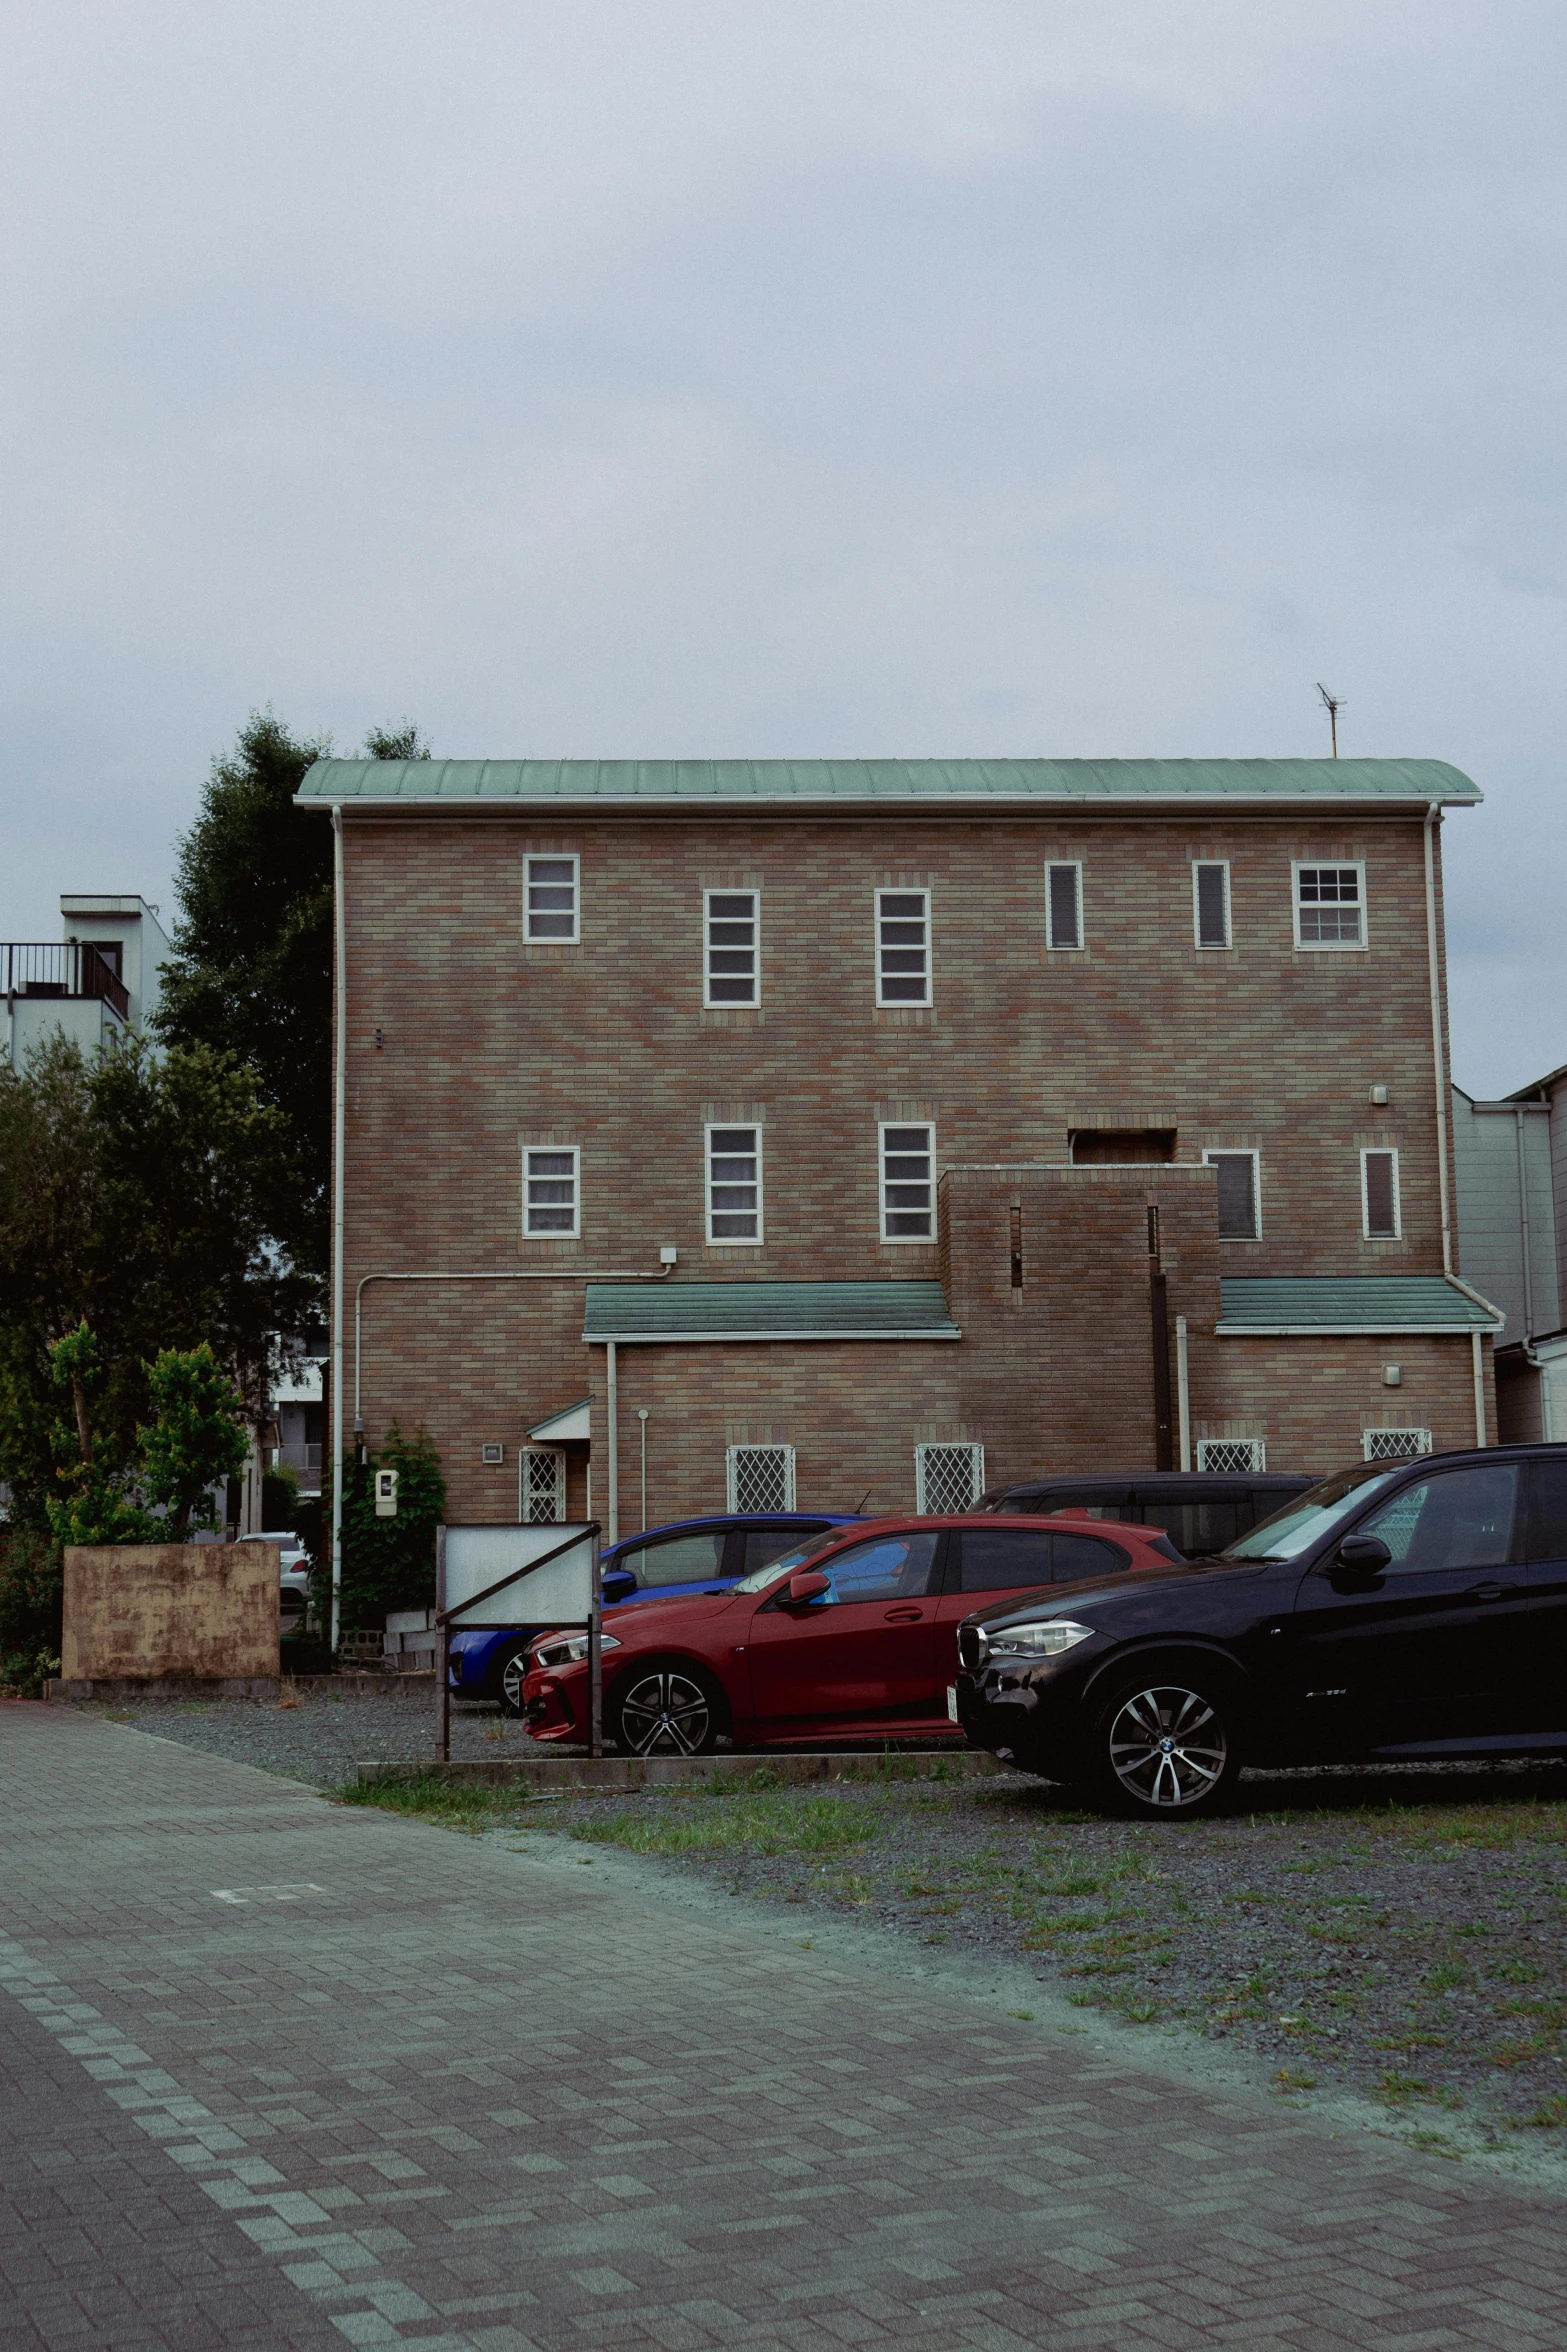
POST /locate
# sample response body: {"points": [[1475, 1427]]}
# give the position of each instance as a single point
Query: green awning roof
{"points": [[766, 1310], [1263, 1305], [928, 783]]}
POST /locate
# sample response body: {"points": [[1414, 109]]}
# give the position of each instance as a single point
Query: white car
{"points": [[294, 1561]]}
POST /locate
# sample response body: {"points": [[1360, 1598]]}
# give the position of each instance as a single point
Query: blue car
{"points": [[708, 1555]]}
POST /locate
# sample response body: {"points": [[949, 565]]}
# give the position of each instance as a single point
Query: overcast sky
{"points": [[794, 377]]}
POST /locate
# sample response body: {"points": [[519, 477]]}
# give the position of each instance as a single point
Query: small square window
{"points": [[1381, 1218], [731, 947], [760, 1478], [1232, 1453], [948, 1477], [734, 1185], [1211, 903], [1064, 906], [550, 895], [903, 947], [1239, 1206], [1330, 906], [551, 1203], [908, 1183]]}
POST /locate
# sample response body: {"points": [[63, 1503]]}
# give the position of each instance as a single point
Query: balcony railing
{"points": [[69, 968]]}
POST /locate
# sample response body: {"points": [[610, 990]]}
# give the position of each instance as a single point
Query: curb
{"points": [[638, 1772]]}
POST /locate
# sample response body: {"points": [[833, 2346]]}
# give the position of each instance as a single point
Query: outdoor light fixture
{"points": [[1392, 1375]]}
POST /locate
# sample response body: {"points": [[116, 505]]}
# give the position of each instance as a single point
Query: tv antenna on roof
{"points": [[1332, 704]]}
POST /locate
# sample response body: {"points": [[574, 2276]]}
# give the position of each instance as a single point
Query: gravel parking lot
{"points": [[1398, 1933]]}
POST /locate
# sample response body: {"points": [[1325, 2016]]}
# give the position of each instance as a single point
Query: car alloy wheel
{"points": [[666, 1713], [1168, 1747], [509, 1685]]}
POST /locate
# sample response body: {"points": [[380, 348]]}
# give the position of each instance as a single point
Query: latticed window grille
{"points": [[948, 1477], [761, 1477], [541, 1479], [1231, 1453], [1395, 1445]]}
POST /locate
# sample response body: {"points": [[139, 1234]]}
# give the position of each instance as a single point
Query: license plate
{"points": [[952, 1702]]}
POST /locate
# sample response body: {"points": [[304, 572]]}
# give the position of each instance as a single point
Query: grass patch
{"points": [[454, 1804], [761, 1824]]}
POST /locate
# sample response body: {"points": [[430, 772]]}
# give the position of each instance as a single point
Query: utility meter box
{"points": [[386, 1494]]}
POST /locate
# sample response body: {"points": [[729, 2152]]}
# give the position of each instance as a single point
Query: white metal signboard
{"points": [[491, 1581]]}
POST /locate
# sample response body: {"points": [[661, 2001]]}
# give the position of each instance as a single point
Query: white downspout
{"points": [[1183, 1392], [613, 1401], [1432, 818], [339, 1127], [1477, 1353]]}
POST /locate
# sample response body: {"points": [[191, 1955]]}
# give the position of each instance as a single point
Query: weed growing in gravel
{"points": [[751, 1825], [454, 1804]]}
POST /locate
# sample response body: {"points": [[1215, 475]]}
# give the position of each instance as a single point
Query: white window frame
{"points": [[903, 1004], [1385, 1151], [1241, 1151], [1212, 946], [884, 1128], [1356, 866], [731, 1003], [558, 1151], [1257, 1455], [922, 1454], [527, 1454], [754, 1240], [732, 1456], [553, 857], [1074, 867], [1372, 1452]]}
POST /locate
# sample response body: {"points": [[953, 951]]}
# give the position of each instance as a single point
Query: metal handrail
{"points": [[63, 968]]}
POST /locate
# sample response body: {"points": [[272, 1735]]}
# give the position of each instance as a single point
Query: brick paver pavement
{"points": [[290, 2074]]}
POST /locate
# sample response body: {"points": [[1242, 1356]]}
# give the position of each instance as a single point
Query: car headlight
{"points": [[564, 1649], [1045, 1638]]}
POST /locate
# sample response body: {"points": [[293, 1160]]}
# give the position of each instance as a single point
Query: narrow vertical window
{"points": [[903, 947], [1330, 906], [732, 947], [1015, 1239], [550, 1193], [734, 1184], [550, 892], [908, 1172], [1239, 1219], [1211, 903], [1380, 1207], [1064, 906]]}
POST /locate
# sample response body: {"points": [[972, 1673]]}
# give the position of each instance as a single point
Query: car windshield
{"points": [[1305, 1517], [807, 1549]]}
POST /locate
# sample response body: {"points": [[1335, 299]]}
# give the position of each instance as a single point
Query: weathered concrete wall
{"points": [[145, 1611]]}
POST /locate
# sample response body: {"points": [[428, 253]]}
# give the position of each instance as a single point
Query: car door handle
{"points": [[1489, 1592], [904, 1616]]}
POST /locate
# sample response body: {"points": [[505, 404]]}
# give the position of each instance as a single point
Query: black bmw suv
{"points": [[1398, 1611]]}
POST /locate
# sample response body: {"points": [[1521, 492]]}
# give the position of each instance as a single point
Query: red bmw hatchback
{"points": [[853, 1636]]}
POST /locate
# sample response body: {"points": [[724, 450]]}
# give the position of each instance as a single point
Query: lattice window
{"points": [[761, 1477], [1395, 1445], [541, 1485], [903, 947], [948, 1477], [1330, 909], [732, 947], [1231, 1453], [551, 1192]]}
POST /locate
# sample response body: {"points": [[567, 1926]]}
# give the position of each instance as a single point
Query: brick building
{"points": [[865, 1132]]}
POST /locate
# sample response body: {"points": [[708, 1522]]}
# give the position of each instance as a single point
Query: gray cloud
{"points": [[870, 377]]}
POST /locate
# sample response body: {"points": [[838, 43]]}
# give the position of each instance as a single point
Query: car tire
{"points": [[666, 1708], [1165, 1743], [506, 1677]]}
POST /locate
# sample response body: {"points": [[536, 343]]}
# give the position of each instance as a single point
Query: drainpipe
{"points": [[1432, 819], [1183, 1393], [613, 1397], [1477, 1353], [642, 1418], [339, 1124], [1523, 1221]]}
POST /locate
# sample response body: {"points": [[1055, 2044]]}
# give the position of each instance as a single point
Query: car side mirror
{"points": [[806, 1583], [619, 1584], [1363, 1557]]}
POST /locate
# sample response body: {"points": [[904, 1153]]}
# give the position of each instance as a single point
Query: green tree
{"points": [[29, 1610], [90, 1504], [387, 1563], [138, 1194], [197, 1441], [252, 972]]}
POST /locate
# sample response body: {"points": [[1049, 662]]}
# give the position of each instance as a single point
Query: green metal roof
{"points": [[766, 1310], [930, 783], [1260, 1305]]}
